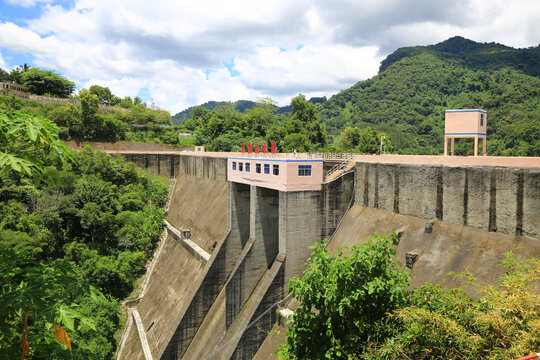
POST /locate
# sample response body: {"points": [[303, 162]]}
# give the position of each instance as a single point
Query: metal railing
{"points": [[338, 169]]}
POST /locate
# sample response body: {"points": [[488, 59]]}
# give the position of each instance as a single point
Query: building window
{"points": [[481, 119], [240, 166], [267, 168], [234, 165], [258, 168], [304, 170], [248, 166], [276, 169]]}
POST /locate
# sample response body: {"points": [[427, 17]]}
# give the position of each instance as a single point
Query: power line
{"points": [[241, 332]]}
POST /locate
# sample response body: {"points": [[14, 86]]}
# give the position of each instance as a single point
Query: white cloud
{"points": [[278, 48], [327, 68]]}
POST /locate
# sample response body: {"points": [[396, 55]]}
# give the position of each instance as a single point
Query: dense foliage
{"points": [[42, 300], [407, 99], [474, 55], [342, 297], [97, 219], [27, 141], [240, 106], [224, 129], [39, 81], [88, 121], [357, 306]]}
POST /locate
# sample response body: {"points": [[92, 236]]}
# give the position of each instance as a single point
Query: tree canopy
{"points": [[46, 82], [91, 222], [357, 305], [26, 142]]}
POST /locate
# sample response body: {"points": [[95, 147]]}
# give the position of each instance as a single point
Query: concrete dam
{"points": [[238, 228]]}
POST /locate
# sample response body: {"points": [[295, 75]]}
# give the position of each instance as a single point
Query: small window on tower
{"points": [[248, 167], [304, 170], [234, 165], [481, 119], [240, 166], [258, 168]]}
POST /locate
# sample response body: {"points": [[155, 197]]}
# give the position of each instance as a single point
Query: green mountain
{"points": [[240, 106], [475, 56], [415, 85]]}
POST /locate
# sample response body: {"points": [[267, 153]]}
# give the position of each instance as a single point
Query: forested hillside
{"points": [[240, 106], [76, 231], [476, 56], [407, 99]]}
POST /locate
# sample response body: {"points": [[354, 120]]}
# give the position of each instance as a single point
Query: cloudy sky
{"points": [[182, 53]]}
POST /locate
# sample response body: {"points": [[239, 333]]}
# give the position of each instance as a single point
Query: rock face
{"points": [[222, 304]]}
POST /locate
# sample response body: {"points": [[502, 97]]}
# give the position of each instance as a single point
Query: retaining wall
{"points": [[497, 199]]}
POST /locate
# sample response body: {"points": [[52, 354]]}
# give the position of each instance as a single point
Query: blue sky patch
{"points": [[230, 66], [14, 59], [18, 14], [145, 94]]}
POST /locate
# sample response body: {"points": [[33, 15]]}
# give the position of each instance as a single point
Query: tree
{"points": [[91, 122], [260, 118], [357, 307], [42, 82], [26, 142], [15, 75], [295, 141], [4, 75], [448, 324], [302, 109], [342, 297], [39, 305], [302, 131], [349, 137], [368, 141], [106, 97]]}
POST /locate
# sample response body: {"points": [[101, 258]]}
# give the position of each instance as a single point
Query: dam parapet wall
{"points": [[496, 199]]}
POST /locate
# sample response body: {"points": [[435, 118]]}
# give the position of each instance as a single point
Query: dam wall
{"points": [[209, 295], [171, 164], [496, 199], [182, 285]]}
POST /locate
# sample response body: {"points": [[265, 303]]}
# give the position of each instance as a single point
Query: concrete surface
{"points": [[449, 247], [475, 214], [497, 199], [174, 275], [200, 204]]}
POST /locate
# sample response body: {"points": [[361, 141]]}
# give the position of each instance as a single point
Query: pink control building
{"points": [[465, 123], [275, 173]]}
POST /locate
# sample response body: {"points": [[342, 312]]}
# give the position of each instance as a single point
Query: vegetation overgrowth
{"points": [[76, 231], [90, 123], [357, 305]]}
